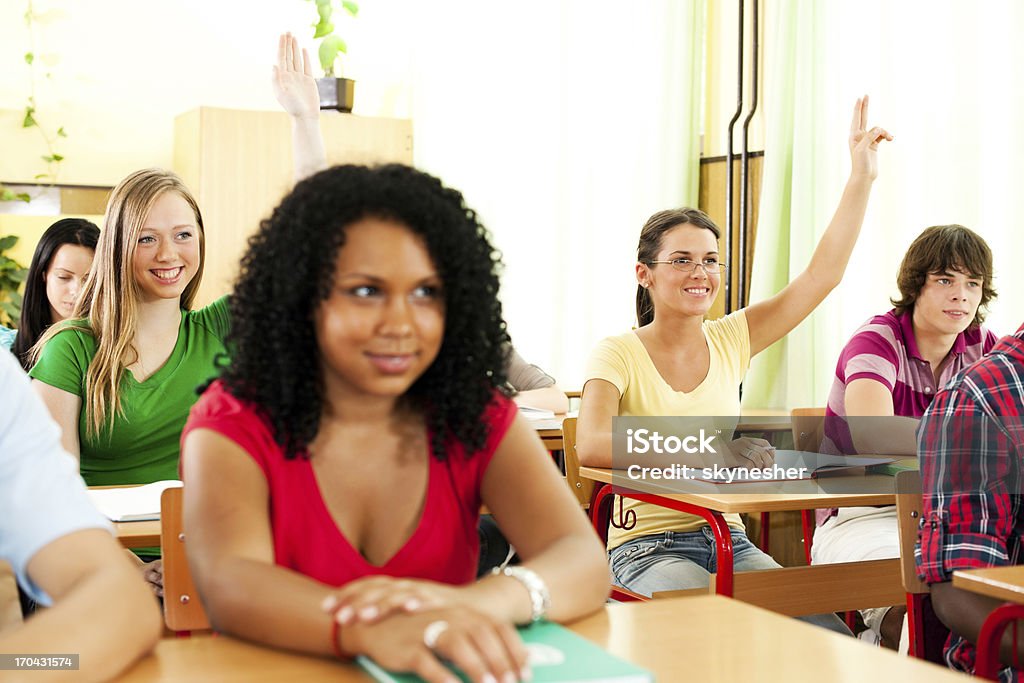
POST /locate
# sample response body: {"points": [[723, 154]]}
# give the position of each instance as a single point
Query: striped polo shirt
{"points": [[884, 349]]}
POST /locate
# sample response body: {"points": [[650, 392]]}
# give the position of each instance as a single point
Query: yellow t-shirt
{"points": [[624, 362]]}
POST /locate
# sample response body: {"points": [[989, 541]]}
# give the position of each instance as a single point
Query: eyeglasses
{"points": [[685, 265]]}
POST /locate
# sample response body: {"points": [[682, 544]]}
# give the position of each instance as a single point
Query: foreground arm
{"points": [[102, 610], [772, 319], [542, 520], [296, 92]]}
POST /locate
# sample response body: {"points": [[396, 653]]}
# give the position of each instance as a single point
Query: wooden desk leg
{"points": [[987, 664]]}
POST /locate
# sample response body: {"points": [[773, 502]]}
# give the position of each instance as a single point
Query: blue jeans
{"points": [[677, 561]]}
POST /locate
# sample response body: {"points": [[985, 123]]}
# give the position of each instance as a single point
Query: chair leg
{"points": [[915, 625], [807, 522], [987, 665], [766, 520]]}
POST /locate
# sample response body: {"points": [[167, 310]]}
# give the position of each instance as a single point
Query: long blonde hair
{"points": [[109, 302]]}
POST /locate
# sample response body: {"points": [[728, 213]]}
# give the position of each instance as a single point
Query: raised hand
{"points": [[864, 143], [294, 85]]}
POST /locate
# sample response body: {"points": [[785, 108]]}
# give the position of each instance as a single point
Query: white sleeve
{"points": [[42, 495]]}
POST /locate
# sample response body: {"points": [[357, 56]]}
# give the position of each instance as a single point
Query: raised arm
{"points": [[295, 90], [772, 319]]}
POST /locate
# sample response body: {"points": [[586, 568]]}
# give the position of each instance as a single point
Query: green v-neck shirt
{"points": [[141, 445]]}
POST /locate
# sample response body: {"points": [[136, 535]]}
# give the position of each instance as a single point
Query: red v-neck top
{"points": [[444, 546]]}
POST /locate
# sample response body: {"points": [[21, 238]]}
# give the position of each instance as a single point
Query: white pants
{"points": [[856, 535]]}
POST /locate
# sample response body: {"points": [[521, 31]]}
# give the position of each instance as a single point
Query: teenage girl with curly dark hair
{"points": [[336, 471]]}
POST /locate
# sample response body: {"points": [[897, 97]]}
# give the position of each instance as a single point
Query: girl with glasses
{"points": [[679, 364]]}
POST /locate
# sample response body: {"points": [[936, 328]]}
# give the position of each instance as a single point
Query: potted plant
{"points": [[335, 92], [12, 274]]}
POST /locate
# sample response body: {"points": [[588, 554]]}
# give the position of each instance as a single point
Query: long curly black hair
{"points": [[289, 268]]}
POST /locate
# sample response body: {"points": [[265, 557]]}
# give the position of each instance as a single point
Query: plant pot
{"points": [[336, 93]]}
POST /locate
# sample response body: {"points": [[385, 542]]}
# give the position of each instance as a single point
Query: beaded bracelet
{"points": [[336, 638]]}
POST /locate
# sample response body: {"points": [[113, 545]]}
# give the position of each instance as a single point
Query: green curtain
{"points": [[791, 372]]}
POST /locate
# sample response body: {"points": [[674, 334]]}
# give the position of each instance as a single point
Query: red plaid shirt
{"points": [[971, 447]]}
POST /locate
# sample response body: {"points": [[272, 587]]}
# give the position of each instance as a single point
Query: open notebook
{"points": [[788, 466], [131, 503]]}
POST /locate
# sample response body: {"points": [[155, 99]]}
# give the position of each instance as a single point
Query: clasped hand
{"points": [[748, 452]]}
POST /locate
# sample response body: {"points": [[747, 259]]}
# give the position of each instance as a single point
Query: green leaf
{"points": [[12, 311], [324, 28], [40, 176], [7, 195], [8, 242], [61, 133], [29, 120], [29, 58], [19, 275], [52, 158], [328, 53], [350, 7]]}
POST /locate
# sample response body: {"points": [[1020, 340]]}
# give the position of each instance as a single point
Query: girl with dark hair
{"points": [[678, 364], [56, 275], [336, 471]]}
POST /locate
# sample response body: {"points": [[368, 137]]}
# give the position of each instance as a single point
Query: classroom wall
{"points": [[559, 122]]}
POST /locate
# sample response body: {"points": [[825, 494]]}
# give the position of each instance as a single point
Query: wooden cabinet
{"points": [[239, 165]]}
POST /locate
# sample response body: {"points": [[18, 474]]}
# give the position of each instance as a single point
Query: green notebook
{"points": [[557, 655], [905, 465]]}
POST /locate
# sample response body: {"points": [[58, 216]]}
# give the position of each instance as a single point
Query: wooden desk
{"points": [[550, 430], [138, 534], [144, 534], [707, 639], [711, 501], [1001, 583], [807, 494]]}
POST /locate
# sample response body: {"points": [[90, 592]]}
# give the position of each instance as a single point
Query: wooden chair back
{"points": [[581, 488], [908, 513], [927, 633], [183, 611], [808, 428]]}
